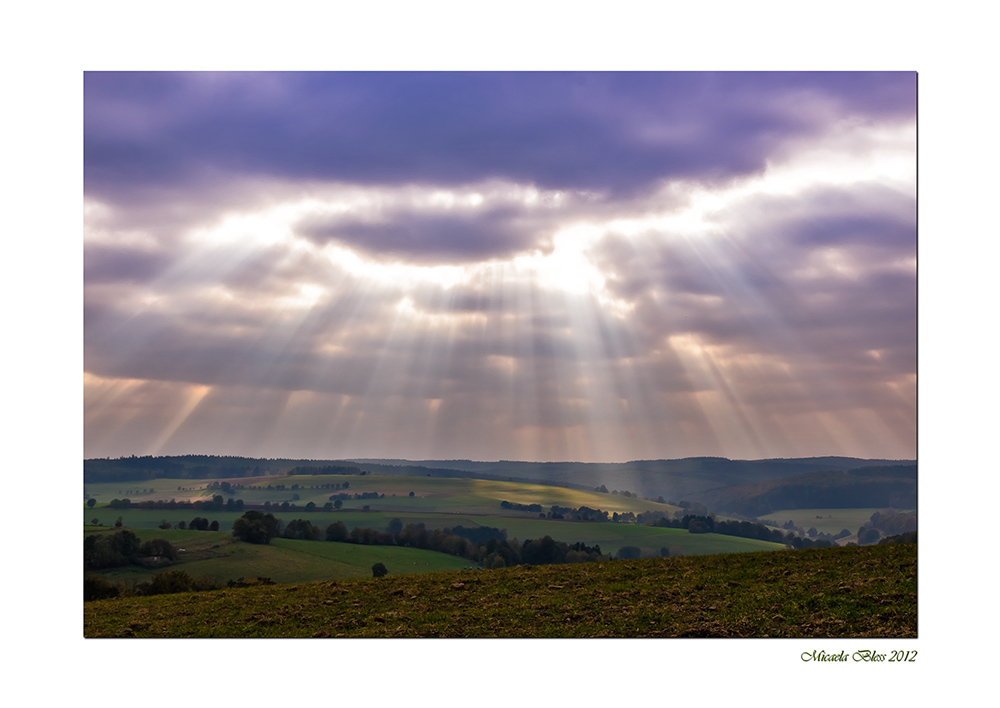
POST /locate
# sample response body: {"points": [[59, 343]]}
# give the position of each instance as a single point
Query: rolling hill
{"points": [[699, 479]]}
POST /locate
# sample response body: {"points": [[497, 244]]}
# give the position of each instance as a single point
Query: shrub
{"points": [[629, 552], [243, 583], [158, 547], [96, 587], [176, 581]]}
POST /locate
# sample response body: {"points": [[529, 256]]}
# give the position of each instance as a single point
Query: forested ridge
{"points": [[884, 487]]}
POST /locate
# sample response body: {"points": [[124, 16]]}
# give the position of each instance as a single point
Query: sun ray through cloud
{"points": [[630, 266]]}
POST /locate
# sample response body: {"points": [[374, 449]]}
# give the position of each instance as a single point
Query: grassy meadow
{"points": [[830, 521], [219, 557]]}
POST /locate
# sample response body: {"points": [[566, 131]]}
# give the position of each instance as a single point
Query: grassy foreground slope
{"points": [[868, 591]]}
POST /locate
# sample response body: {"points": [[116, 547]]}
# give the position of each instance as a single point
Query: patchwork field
{"points": [[470, 496], [687, 584], [437, 503]]}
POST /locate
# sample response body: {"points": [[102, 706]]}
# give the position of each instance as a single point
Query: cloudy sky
{"points": [[534, 266]]}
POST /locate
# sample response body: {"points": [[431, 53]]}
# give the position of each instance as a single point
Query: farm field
{"points": [[612, 536], [470, 496], [868, 591]]}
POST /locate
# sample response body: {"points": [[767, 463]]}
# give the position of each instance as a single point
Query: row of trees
{"points": [[357, 495], [585, 513], [217, 503], [742, 529], [327, 469], [176, 467], [488, 547]]}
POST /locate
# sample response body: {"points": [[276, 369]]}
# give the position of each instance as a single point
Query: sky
{"points": [[522, 266]]}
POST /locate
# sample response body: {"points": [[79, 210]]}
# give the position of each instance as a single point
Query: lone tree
{"points": [[379, 570], [255, 527]]}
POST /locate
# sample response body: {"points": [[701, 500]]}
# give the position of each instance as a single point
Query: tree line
{"points": [[743, 529], [488, 547], [218, 503], [887, 524], [327, 469]]}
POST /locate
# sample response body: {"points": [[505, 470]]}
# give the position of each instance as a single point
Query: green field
{"points": [[612, 536], [219, 557], [469, 496], [522, 526], [830, 521]]}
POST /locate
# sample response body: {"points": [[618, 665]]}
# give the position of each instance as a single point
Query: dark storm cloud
{"points": [[421, 237], [103, 263], [603, 132], [866, 215]]}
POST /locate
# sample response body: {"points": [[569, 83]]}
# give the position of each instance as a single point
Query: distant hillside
{"points": [[890, 486], [720, 483], [195, 467], [692, 479], [687, 478]]}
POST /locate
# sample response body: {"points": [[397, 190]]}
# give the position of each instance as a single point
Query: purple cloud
{"points": [[608, 132], [589, 295]]}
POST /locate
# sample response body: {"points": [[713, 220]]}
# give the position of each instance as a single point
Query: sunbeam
{"points": [[195, 396], [676, 270]]}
